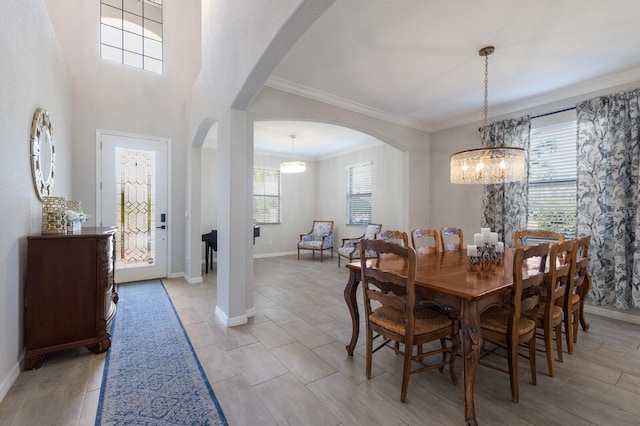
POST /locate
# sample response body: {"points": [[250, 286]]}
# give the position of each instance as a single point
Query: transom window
{"points": [[359, 193], [131, 33], [552, 175], [266, 196]]}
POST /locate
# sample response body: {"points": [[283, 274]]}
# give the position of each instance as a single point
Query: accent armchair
{"points": [[319, 238], [350, 248]]}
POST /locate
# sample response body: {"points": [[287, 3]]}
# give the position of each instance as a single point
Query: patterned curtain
{"points": [[607, 198], [504, 206]]}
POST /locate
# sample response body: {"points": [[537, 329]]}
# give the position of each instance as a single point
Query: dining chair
{"points": [[425, 241], [526, 237], [581, 286], [350, 249], [392, 314], [506, 326], [398, 237], [320, 238], [570, 302], [548, 316], [451, 238]]}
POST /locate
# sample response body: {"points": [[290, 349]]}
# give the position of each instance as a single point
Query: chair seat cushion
{"points": [[315, 245], [427, 321], [497, 320], [575, 298], [346, 251]]}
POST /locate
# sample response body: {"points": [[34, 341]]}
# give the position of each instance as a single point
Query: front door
{"points": [[132, 188]]}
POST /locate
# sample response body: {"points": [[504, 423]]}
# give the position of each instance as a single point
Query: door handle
{"points": [[161, 227]]}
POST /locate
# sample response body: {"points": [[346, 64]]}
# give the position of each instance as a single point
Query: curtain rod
{"points": [[553, 112]]}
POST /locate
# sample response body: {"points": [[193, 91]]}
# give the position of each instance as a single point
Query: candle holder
{"points": [[486, 260]]}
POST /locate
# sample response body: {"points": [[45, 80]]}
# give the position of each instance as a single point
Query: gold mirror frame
{"points": [[43, 153]]}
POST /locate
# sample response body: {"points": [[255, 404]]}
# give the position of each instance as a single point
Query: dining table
{"points": [[450, 282]]}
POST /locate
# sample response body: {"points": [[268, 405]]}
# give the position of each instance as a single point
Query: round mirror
{"points": [[42, 153]]}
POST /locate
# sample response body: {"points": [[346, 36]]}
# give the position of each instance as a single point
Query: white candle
{"points": [[472, 250], [493, 238], [478, 240], [485, 231], [499, 247]]}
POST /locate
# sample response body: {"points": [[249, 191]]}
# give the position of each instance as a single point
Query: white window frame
{"points": [[264, 193], [553, 173], [355, 207]]}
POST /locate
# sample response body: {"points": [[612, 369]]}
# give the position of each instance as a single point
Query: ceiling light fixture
{"points": [[487, 165], [292, 166]]}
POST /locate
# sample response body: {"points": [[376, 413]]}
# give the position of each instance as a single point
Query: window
{"points": [[552, 176], [359, 194], [266, 196], [131, 33]]}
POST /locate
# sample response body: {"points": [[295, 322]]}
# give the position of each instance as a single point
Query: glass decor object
{"points": [[292, 166], [487, 166]]}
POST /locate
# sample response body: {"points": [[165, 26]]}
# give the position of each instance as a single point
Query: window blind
{"points": [[552, 178], [359, 190], [266, 196]]}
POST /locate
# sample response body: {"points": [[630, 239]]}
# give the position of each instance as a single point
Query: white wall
{"points": [[33, 74], [115, 97]]}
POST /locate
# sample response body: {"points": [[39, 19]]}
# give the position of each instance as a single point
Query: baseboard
{"points": [[8, 381], [230, 322], [192, 280], [283, 253], [613, 313], [176, 275]]}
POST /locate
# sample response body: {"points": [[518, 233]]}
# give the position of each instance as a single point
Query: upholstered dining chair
{"points": [[320, 238], [505, 326], [452, 239], [350, 249], [526, 237], [573, 302], [425, 241], [548, 316], [398, 237], [391, 313]]}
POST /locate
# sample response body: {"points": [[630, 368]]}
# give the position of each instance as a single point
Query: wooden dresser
{"points": [[70, 293]]}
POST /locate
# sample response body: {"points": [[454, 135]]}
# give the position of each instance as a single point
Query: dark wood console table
{"points": [[70, 294]]}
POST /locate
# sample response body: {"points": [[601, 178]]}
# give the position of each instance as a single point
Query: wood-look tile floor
{"points": [[288, 366]]}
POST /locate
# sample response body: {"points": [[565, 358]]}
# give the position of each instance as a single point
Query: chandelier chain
{"points": [[486, 89]]}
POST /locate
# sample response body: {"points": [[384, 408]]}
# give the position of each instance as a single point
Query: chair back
{"points": [[559, 280], [371, 231], [386, 287], [529, 266], [398, 237], [322, 228], [529, 237], [451, 238], [425, 241], [581, 276]]}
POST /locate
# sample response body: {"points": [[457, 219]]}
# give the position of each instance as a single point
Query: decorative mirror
{"points": [[43, 153]]}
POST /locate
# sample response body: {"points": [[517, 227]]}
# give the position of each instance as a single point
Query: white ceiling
{"points": [[416, 62]]}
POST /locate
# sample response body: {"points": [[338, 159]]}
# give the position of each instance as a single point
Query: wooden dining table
{"points": [[447, 279]]}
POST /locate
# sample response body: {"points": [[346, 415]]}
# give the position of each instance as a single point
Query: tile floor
{"points": [[288, 366]]}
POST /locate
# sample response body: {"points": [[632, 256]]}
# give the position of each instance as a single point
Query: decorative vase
{"points": [[54, 219]]}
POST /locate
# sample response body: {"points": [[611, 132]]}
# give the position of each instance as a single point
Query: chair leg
{"points": [[512, 360], [548, 348], [577, 314], [408, 353], [559, 340], [443, 346], [583, 296], [568, 328], [321, 255], [298, 253], [532, 358], [369, 348]]}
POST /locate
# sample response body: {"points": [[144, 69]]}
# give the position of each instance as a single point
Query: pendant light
{"points": [[292, 166], [487, 165]]}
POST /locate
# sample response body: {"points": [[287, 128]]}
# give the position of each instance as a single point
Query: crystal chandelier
{"points": [[488, 165], [292, 166]]}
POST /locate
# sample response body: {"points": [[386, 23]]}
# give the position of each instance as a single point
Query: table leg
{"points": [[206, 258], [471, 344], [350, 297]]}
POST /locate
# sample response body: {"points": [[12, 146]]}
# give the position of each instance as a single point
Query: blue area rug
{"points": [[152, 375]]}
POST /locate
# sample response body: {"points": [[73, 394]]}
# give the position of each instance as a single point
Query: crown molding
{"points": [[327, 98]]}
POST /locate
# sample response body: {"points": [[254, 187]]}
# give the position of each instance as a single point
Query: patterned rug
{"points": [[152, 375]]}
